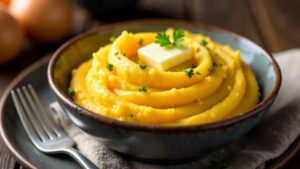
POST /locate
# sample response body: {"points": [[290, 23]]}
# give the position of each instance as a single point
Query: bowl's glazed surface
{"points": [[157, 142]]}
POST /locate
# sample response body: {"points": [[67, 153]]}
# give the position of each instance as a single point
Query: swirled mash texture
{"points": [[215, 85]]}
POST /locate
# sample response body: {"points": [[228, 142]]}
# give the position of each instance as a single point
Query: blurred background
{"points": [[32, 29]]}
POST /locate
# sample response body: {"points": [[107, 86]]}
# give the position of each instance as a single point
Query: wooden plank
{"points": [[7, 161], [7, 73], [294, 163], [278, 21], [233, 15], [170, 8]]}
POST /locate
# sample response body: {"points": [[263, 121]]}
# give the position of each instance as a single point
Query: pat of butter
{"points": [[163, 58]]}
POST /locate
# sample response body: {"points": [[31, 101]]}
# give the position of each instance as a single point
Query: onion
{"points": [[43, 20], [11, 36], [4, 2]]}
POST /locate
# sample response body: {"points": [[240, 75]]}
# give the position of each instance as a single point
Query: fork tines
{"points": [[35, 118]]}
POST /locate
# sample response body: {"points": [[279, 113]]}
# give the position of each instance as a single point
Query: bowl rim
{"points": [[252, 113]]}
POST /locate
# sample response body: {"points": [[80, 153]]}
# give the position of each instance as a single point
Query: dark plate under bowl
{"points": [[156, 142]]}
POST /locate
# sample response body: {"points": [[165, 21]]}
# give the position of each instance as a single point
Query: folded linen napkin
{"points": [[265, 142]]}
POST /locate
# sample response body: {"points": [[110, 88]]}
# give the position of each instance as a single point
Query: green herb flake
{"points": [[112, 39], [143, 66], [116, 53], [141, 42], [210, 68], [109, 67], [189, 72], [164, 40], [198, 49], [203, 43], [71, 91], [216, 164], [198, 73], [178, 37], [217, 64], [143, 89], [135, 61]]}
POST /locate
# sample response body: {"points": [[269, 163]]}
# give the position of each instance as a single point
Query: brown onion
{"points": [[11, 36], [43, 20]]}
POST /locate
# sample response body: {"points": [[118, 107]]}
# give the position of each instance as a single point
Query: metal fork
{"points": [[46, 135]]}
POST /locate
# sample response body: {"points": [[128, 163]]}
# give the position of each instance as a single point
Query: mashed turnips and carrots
{"points": [[212, 85]]}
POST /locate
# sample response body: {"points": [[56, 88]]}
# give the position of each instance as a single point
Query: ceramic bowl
{"points": [[162, 143]]}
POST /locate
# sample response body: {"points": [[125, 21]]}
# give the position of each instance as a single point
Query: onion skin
{"points": [[43, 20], [5, 2], [11, 37]]}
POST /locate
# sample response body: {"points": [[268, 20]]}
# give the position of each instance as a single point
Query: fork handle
{"points": [[81, 159]]}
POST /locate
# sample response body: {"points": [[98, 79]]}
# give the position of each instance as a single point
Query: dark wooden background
{"points": [[273, 24]]}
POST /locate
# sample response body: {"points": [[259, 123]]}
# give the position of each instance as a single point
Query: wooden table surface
{"points": [[273, 24]]}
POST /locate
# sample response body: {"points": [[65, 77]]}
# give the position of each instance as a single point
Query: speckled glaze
{"points": [[157, 143]]}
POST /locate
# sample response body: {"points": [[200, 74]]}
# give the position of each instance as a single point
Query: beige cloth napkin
{"points": [[267, 141]]}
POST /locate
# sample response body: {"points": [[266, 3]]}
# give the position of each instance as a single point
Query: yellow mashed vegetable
{"points": [[215, 85]]}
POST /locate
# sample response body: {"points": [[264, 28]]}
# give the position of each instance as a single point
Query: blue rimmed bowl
{"points": [[162, 143]]}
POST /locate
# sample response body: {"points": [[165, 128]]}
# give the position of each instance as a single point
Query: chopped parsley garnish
{"points": [[135, 61], [164, 40], [112, 39], [198, 49], [203, 42], [189, 72], [116, 53], [109, 67], [143, 89], [178, 37], [143, 66], [217, 64], [210, 68], [215, 164], [198, 73], [124, 54], [71, 91], [141, 42]]}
